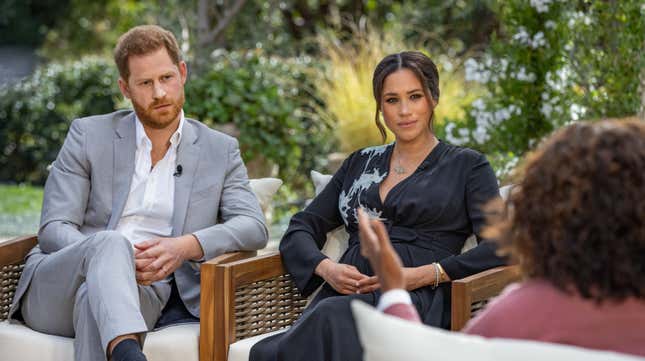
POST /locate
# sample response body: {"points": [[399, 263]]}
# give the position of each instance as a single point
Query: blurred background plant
{"points": [[550, 63], [345, 84], [292, 78], [36, 112], [268, 103]]}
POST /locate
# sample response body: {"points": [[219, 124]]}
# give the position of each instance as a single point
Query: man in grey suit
{"points": [[133, 203]]}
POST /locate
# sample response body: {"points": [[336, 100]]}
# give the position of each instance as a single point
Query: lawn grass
{"points": [[19, 209]]}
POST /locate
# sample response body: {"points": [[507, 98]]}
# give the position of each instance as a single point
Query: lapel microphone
{"points": [[178, 171]]}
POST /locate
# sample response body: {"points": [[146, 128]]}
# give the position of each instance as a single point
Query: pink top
{"points": [[535, 310]]}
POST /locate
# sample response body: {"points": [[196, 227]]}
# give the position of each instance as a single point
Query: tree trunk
{"points": [[211, 25]]}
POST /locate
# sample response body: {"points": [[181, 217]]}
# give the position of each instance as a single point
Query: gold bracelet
{"points": [[441, 271], [436, 275]]}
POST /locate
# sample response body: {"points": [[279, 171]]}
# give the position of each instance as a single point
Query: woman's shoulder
{"points": [[461, 152], [363, 155], [462, 157], [373, 151]]}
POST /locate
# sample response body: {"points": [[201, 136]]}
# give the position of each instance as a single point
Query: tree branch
{"points": [[229, 13]]}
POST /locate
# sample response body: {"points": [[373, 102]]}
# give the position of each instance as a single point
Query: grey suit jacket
{"points": [[89, 183]]}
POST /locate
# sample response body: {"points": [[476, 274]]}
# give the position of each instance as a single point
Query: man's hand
{"points": [[155, 259], [343, 278], [376, 247]]}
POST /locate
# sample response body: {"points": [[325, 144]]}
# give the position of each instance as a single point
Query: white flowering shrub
{"points": [[552, 62]]}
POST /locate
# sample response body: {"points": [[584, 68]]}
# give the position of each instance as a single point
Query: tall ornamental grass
{"points": [[345, 85]]}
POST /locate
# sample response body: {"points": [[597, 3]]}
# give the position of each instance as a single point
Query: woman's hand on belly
{"points": [[344, 278]]}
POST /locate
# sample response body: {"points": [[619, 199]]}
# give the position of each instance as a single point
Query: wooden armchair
{"points": [[13, 252], [256, 296]]}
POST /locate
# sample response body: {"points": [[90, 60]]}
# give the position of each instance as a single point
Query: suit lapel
{"points": [[188, 158], [124, 153]]}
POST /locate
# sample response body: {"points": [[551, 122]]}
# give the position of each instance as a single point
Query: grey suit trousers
{"points": [[88, 290]]}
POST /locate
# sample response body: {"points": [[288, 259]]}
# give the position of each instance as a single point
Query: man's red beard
{"points": [[159, 118]]}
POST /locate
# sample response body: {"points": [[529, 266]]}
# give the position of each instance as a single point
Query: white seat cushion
{"points": [[239, 351], [385, 337], [20, 343], [174, 343]]}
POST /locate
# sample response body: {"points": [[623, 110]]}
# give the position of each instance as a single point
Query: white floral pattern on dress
{"points": [[360, 185]]}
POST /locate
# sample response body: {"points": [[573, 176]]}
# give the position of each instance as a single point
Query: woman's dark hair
{"points": [[577, 218], [419, 64]]}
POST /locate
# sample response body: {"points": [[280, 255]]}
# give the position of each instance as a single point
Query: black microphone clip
{"points": [[178, 171]]}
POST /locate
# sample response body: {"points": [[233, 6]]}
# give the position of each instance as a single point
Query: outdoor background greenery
{"points": [[292, 79]]}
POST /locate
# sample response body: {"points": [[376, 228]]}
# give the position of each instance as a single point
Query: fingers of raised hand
{"points": [[380, 233], [368, 238]]}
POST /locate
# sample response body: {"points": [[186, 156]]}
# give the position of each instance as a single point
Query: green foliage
{"points": [[552, 62], [606, 51], [20, 199], [270, 100], [26, 22], [93, 27], [19, 209], [35, 114], [450, 27], [288, 27]]}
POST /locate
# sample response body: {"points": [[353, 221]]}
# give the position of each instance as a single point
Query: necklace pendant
{"points": [[399, 169]]}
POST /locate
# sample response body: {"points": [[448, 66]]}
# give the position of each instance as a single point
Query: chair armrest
{"points": [[477, 288], [249, 297], [15, 250], [12, 260]]}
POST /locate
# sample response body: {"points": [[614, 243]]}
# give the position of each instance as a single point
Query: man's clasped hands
{"points": [[157, 258]]}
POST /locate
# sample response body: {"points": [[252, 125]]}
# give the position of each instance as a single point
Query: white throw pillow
{"points": [[320, 180], [386, 338], [264, 190], [337, 239]]}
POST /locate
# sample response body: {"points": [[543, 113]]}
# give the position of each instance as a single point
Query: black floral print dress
{"points": [[429, 215]]}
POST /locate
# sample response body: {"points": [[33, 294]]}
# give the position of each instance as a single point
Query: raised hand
{"points": [[376, 247]]}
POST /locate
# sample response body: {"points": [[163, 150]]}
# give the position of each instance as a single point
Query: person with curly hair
{"points": [[575, 224]]}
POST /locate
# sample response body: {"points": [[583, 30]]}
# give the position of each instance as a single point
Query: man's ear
{"points": [[123, 86], [183, 71]]}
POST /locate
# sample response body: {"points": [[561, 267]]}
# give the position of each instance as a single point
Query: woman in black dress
{"points": [[428, 194]]}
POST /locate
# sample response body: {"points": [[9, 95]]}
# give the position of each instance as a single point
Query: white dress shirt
{"points": [[149, 208]]}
